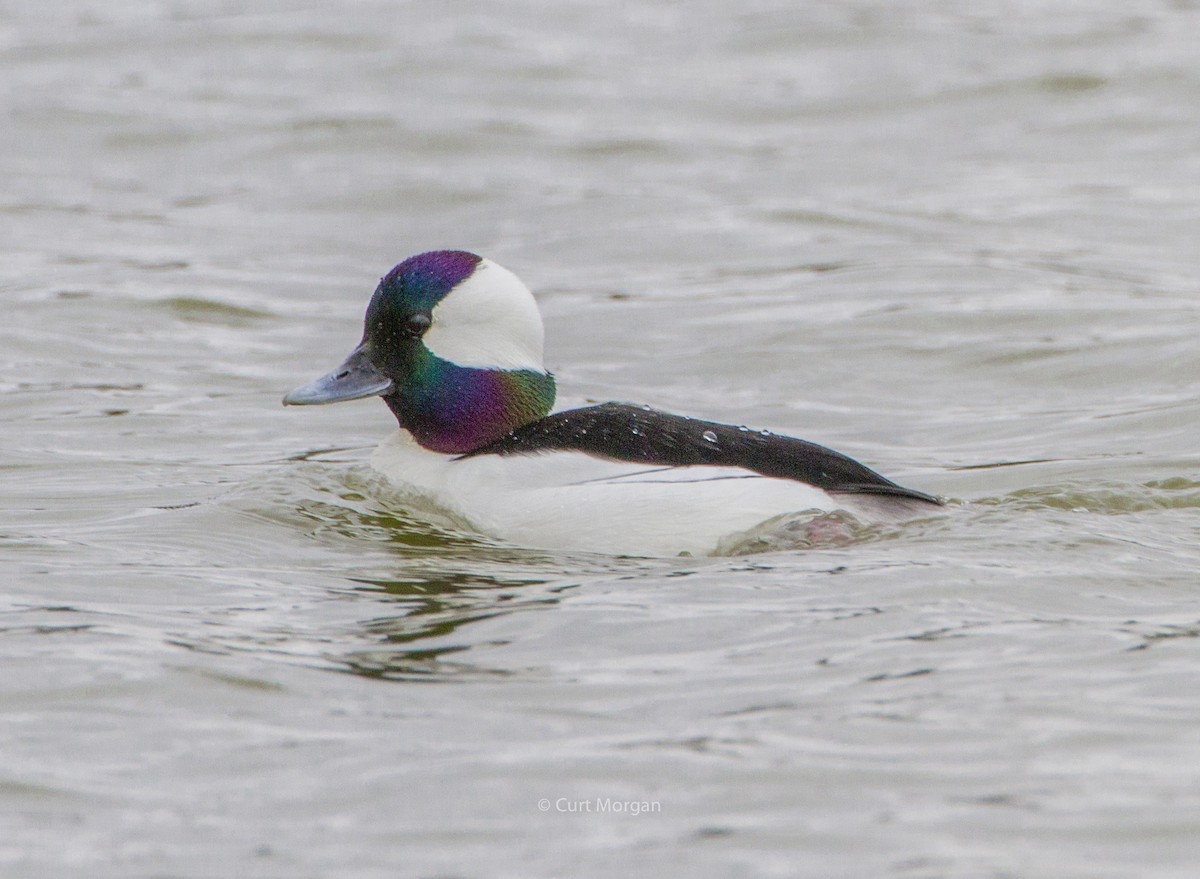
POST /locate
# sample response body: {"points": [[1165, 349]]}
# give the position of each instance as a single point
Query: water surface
{"points": [[956, 243]]}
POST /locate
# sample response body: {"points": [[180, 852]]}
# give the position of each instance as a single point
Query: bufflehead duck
{"points": [[453, 343]]}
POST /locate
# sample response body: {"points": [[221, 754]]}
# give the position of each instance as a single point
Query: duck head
{"points": [[453, 344]]}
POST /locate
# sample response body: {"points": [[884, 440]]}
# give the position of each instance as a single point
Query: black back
{"points": [[641, 435]]}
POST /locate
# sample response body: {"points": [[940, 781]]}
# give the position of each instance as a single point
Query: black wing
{"points": [[640, 435]]}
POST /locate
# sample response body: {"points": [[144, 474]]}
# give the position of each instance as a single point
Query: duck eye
{"points": [[415, 325]]}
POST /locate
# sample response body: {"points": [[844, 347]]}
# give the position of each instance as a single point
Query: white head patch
{"points": [[490, 320]]}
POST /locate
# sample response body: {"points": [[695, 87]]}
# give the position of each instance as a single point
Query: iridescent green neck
{"points": [[456, 409]]}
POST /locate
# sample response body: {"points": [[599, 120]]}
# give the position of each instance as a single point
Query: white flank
{"points": [[490, 320], [568, 500]]}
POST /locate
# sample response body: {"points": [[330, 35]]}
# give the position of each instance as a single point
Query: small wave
{"points": [[348, 503], [808, 530], [1172, 493]]}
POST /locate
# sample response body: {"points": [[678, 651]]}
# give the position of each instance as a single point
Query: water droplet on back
{"points": [[709, 436]]}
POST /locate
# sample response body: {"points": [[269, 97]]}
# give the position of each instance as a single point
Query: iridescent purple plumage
{"points": [[421, 281]]}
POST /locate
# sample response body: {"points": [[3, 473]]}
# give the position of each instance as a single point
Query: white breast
{"points": [[568, 500]]}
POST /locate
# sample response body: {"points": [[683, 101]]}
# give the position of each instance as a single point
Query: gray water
{"points": [[954, 240]]}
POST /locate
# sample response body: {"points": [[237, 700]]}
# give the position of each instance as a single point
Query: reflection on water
{"points": [[436, 604], [434, 579]]}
